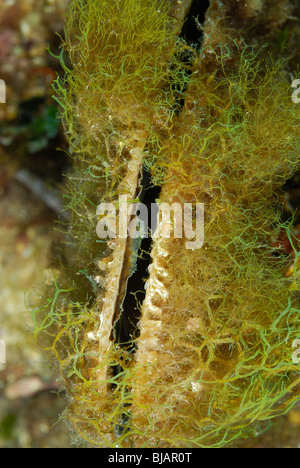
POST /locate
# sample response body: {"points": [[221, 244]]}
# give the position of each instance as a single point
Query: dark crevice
{"points": [[191, 35], [125, 330], [126, 326], [191, 31]]}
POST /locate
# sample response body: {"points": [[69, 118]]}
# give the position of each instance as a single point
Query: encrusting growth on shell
{"points": [[209, 356]]}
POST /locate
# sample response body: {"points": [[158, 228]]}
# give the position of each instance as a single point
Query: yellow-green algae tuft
{"points": [[225, 350]]}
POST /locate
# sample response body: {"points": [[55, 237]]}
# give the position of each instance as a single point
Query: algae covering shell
{"points": [[159, 345]]}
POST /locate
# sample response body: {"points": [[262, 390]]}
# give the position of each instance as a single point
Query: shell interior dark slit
{"points": [[125, 329]]}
